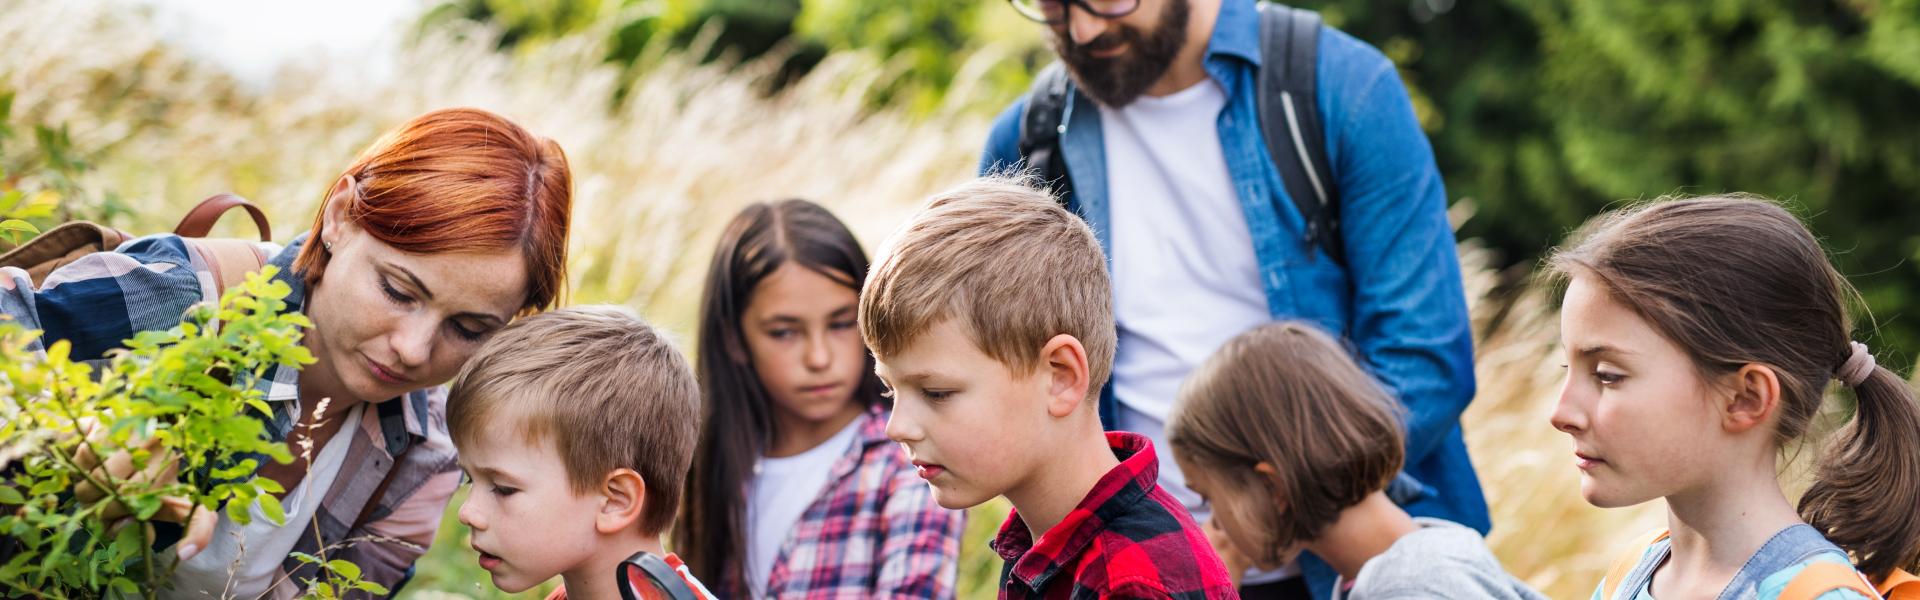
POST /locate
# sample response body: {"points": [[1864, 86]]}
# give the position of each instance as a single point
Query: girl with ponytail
{"points": [[1701, 336]]}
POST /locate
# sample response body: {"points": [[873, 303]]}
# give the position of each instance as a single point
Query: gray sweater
{"points": [[1441, 560]]}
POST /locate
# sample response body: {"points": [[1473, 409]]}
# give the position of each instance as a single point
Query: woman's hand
{"points": [[161, 470], [1237, 564]]}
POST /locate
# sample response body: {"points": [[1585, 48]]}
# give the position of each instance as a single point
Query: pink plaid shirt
{"points": [[874, 532]]}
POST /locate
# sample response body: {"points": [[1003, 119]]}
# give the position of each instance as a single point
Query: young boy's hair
{"points": [[1287, 394], [1008, 264], [605, 387]]}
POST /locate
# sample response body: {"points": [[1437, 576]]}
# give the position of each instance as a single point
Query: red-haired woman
{"points": [[440, 233]]}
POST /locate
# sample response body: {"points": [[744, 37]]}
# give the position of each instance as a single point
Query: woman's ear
{"points": [[334, 224], [625, 497], [1754, 397], [1065, 361]]}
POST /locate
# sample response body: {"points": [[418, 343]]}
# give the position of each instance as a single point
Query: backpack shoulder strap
{"points": [[1623, 566], [1290, 120], [1042, 123], [1900, 585], [200, 219], [1822, 577], [228, 260]]}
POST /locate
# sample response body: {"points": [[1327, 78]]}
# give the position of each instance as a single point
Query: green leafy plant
{"points": [[178, 404]]}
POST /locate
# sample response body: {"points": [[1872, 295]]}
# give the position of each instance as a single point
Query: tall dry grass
{"points": [[654, 177]]}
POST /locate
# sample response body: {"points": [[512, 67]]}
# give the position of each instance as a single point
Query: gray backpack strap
{"points": [[1290, 120], [1049, 106]]}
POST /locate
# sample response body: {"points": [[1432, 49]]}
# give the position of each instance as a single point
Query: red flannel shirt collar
{"points": [[1034, 563]]}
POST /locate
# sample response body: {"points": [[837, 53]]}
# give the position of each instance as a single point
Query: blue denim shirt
{"points": [[1399, 300]]}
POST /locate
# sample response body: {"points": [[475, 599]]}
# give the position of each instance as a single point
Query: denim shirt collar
{"points": [[1236, 35]]}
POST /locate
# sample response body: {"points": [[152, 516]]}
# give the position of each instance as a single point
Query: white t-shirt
{"points": [[780, 492], [1185, 276], [266, 545]]}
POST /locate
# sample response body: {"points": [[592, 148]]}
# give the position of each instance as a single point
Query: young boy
{"points": [[990, 316], [577, 428]]}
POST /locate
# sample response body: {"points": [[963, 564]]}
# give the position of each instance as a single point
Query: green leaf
{"points": [[125, 586], [344, 569], [270, 506], [243, 468], [45, 487], [371, 588], [10, 495], [19, 226]]}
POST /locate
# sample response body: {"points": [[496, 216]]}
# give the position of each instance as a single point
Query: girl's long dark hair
{"points": [[738, 422]]}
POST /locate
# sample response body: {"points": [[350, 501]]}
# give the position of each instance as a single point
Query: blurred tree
{"points": [[1544, 113]]}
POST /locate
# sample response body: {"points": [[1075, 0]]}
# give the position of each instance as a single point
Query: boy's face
{"points": [[528, 524], [974, 428]]}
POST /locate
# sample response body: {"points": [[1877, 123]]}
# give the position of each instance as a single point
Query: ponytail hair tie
{"points": [[1859, 365]]}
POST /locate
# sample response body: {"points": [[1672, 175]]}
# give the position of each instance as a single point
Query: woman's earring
{"points": [[328, 246]]}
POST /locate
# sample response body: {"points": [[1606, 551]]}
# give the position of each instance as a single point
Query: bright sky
{"points": [[255, 37]]}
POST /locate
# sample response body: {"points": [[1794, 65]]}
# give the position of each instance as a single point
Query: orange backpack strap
{"points": [[228, 260], [1822, 577], [1624, 565], [1900, 585]]}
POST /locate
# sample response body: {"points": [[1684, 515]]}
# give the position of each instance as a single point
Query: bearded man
{"points": [[1159, 136]]}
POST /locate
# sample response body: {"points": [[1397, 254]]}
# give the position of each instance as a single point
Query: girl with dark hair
{"points": [[1701, 336], [796, 490]]}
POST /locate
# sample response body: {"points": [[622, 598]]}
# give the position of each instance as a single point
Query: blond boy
{"points": [[991, 319], [577, 428]]}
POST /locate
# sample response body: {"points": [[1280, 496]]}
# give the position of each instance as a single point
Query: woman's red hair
{"points": [[460, 180]]}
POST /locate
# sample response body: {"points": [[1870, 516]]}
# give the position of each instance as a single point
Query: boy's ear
{"points": [[1067, 374], [1753, 398], [624, 496]]}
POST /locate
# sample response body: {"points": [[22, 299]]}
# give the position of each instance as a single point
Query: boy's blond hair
{"points": [[1008, 264], [608, 389]]}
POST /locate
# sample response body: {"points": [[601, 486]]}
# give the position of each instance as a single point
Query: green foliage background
{"points": [[1542, 112]]}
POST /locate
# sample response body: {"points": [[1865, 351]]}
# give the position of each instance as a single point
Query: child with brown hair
{"points": [[577, 427], [1701, 336], [990, 316], [1293, 445], [796, 492]]}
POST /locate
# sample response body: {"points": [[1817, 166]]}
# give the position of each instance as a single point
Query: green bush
{"points": [[1545, 113], [175, 401]]}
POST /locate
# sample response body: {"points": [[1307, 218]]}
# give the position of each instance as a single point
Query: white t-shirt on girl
{"points": [[780, 492]]}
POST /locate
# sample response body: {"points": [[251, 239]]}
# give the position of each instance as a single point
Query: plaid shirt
{"points": [[1128, 538], [874, 532], [103, 298]]}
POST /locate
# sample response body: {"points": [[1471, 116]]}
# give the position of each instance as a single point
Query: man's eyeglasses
{"points": [[1054, 12]]}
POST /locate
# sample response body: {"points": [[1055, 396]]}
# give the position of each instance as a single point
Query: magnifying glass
{"points": [[645, 576]]}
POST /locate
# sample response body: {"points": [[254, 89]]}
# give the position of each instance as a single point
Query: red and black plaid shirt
{"points": [[1127, 539]]}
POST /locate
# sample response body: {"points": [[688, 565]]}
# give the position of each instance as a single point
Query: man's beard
{"points": [[1117, 81]]}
